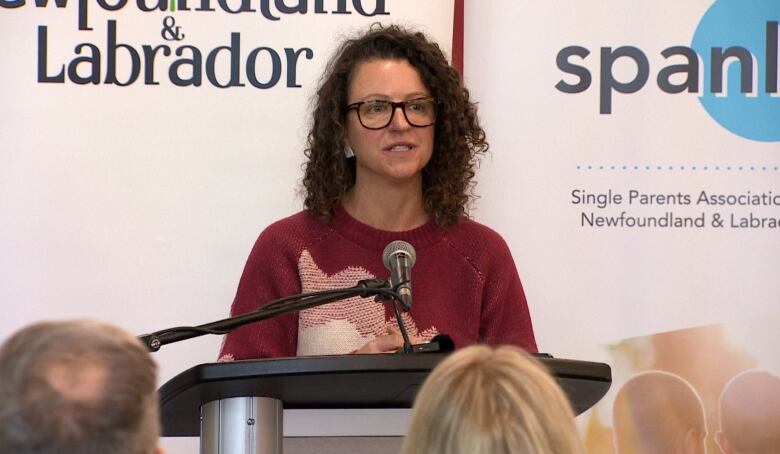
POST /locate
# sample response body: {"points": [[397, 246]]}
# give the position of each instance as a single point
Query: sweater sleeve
{"points": [[505, 318], [271, 272]]}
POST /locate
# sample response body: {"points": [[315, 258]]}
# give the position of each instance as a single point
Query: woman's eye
{"points": [[376, 107]]}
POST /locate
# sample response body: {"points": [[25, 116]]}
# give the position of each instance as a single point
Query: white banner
{"points": [[635, 173], [141, 152]]}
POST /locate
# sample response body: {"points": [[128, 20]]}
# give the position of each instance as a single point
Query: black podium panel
{"points": [[346, 381]]}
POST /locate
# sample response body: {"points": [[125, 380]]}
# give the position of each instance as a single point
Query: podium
{"points": [[236, 407]]}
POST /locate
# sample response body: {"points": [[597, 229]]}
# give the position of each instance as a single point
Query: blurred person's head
{"points": [[483, 400], [658, 412], [77, 387], [750, 414]]}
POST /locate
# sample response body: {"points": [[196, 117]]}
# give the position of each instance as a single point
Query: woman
{"points": [[391, 156], [491, 401]]}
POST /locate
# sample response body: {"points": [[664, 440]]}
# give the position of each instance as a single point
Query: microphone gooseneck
{"points": [[398, 256]]}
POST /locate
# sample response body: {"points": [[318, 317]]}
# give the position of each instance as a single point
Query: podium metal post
{"points": [[241, 425]]}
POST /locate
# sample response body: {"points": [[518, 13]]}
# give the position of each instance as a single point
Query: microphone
{"points": [[399, 257]]}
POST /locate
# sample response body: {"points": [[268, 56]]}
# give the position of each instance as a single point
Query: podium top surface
{"points": [[348, 381]]}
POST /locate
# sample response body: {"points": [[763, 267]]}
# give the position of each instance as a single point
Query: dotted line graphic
{"points": [[636, 167]]}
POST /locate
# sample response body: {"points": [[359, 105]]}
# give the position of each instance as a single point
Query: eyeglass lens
{"points": [[378, 113]]}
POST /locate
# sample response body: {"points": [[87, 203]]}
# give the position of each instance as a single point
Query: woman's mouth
{"points": [[399, 147]]}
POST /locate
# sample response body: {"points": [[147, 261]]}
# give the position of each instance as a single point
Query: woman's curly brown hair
{"points": [[458, 139]]}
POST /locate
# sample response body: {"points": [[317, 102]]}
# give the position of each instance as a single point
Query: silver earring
{"points": [[348, 152]]}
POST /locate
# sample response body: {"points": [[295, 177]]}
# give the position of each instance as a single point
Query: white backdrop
{"points": [[592, 288], [544, 142], [139, 204]]}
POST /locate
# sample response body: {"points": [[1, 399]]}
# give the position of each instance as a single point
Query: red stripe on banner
{"points": [[457, 37]]}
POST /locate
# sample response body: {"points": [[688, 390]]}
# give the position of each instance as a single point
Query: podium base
{"points": [[241, 425]]}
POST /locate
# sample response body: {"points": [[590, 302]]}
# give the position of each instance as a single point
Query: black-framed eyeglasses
{"points": [[377, 113]]}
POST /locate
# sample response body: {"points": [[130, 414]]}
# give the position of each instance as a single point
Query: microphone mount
{"points": [[294, 303]]}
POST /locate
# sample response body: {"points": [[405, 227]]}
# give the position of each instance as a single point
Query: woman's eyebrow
{"points": [[384, 97]]}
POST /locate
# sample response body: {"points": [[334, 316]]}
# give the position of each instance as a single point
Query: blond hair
{"points": [[77, 386], [484, 400]]}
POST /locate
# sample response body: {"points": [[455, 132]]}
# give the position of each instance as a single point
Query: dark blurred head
{"points": [[77, 387]]}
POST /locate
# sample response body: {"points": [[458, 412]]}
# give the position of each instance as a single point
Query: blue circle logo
{"points": [[735, 34]]}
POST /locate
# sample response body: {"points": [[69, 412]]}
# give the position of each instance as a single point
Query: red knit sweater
{"points": [[464, 283]]}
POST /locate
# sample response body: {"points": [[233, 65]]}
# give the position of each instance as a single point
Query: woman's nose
{"points": [[398, 121]]}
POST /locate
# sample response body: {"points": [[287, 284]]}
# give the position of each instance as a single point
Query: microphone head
{"points": [[398, 247]]}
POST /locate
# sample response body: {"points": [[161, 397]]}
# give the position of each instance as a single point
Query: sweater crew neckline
{"points": [[377, 239]]}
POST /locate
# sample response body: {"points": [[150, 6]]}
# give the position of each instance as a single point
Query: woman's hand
{"points": [[388, 343]]}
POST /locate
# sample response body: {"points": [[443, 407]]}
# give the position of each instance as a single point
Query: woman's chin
{"points": [[398, 170], [403, 172]]}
